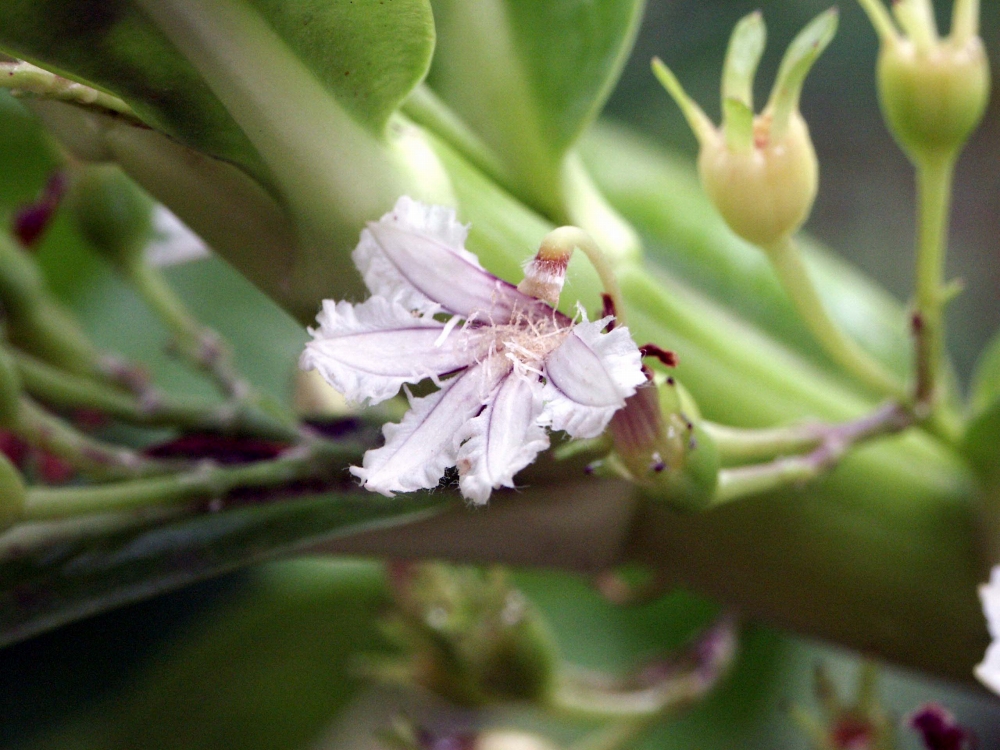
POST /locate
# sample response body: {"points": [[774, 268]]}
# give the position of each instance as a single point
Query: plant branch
{"points": [[65, 390], [834, 442], [91, 457], [315, 460]]}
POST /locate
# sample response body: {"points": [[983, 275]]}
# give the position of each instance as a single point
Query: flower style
{"points": [[988, 671], [507, 364]]}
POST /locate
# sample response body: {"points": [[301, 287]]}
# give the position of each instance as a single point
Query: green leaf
{"points": [[114, 47], [366, 54], [529, 76], [53, 574]]}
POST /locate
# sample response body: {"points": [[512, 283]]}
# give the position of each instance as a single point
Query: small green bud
{"points": [[660, 446], [767, 193], [111, 212], [933, 101], [760, 171], [13, 494], [933, 90], [467, 635]]}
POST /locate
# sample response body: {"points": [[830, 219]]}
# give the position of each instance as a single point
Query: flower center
{"points": [[526, 340]]}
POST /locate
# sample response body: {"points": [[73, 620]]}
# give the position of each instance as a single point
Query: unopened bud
{"points": [[767, 193], [663, 449], [760, 171], [933, 90]]}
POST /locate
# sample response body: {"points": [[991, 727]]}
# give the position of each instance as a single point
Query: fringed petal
{"points": [[988, 671], [502, 440], [415, 254], [423, 444], [368, 351], [589, 376]]}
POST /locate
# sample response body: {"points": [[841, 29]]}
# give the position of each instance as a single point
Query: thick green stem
{"points": [[787, 263], [934, 183]]}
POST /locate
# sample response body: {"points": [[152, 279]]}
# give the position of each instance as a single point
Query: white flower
{"points": [[507, 364], [988, 671]]}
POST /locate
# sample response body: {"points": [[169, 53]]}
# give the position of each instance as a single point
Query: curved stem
{"points": [[651, 692], [573, 237], [200, 346], [787, 263]]}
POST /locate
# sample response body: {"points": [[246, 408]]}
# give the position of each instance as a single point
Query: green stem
{"points": [[204, 348], [658, 689], [739, 445], [89, 456], [200, 346], [835, 441], [787, 263], [934, 184], [574, 237], [203, 483], [66, 390], [23, 78]]}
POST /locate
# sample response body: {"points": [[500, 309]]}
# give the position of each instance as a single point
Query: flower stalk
{"points": [[842, 349]]}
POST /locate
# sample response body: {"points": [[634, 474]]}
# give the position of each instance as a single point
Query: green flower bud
{"points": [[660, 446], [468, 635], [111, 212], [12, 493], [764, 194], [933, 91], [760, 171]]}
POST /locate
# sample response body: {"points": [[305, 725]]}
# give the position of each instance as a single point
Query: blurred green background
{"points": [[252, 659]]}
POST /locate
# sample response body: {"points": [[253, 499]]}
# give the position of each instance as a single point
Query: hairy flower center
{"points": [[526, 340]]}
